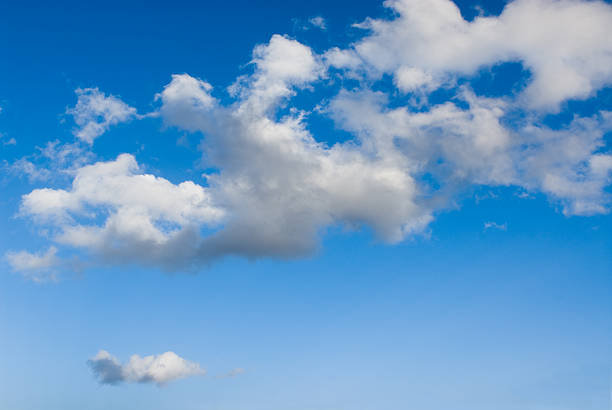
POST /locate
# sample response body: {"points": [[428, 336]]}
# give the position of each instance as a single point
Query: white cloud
{"points": [[462, 147], [282, 65], [25, 167], [318, 22], [338, 58], [412, 79], [38, 267], [277, 187], [159, 369], [50, 162], [95, 113], [563, 43], [144, 218], [495, 225]]}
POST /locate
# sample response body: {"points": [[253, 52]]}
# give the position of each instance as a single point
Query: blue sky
{"points": [[306, 205]]}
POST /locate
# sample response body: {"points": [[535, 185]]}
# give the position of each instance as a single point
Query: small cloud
{"points": [[10, 141], [318, 22], [159, 369], [95, 113], [494, 225], [38, 267]]}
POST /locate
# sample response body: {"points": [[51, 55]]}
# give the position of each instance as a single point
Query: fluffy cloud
{"points": [[277, 187], [95, 113], [158, 369], [459, 147], [564, 43], [144, 217]]}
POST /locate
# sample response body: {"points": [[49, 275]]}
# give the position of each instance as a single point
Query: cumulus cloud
{"points": [[95, 113], [277, 187], [459, 147], [159, 369], [144, 217], [38, 267], [564, 43]]}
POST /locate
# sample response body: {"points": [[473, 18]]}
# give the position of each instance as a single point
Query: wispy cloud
{"points": [[495, 225], [38, 267], [318, 22]]}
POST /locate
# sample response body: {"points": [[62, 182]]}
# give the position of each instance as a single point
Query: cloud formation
{"points": [[95, 113], [277, 187], [159, 369], [145, 217], [38, 267], [563, 43]]}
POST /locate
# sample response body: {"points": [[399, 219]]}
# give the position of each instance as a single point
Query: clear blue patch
{"points": [[601, 101], [500, 80], [471, 10]]}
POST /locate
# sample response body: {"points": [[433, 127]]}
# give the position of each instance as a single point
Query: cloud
{"points": [[159, 369], [280, 186], [37, 267], [495, 225], [95, 113], [10, 141], [277, 187], [563, 43], [145, 218], [282, 66], [459, 147], [318, 22], [52, 161], [25, 167]]}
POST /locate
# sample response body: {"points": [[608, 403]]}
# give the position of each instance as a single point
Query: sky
{"points": [[289, 205]]}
